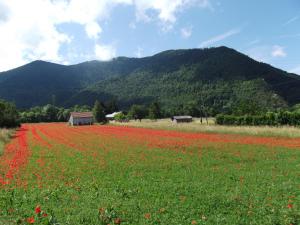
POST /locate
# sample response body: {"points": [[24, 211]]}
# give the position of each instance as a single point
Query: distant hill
{"points": [[216, 78]]}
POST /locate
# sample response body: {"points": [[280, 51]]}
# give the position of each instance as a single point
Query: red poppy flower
{"points": [[30, 220], [290, 206], [38, 210], [147, 216], [45, 214], [117, 221]]}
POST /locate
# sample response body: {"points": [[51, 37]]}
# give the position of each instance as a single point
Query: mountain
{"points": [[216, 78]]}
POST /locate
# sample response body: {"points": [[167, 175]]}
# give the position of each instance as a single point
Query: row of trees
{"points": [[51, 113], [10, 117], [268, 119]]}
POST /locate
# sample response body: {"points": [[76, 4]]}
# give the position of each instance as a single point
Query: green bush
{"points": [[8, 115], [268, 119]]}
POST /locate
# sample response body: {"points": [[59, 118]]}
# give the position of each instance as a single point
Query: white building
{"points": [[112, 116], [81, 118]]}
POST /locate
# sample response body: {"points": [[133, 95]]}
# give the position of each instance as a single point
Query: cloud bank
{"points": [[29, 28]]}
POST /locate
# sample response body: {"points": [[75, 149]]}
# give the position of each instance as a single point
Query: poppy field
{"points": [[57, 174]]}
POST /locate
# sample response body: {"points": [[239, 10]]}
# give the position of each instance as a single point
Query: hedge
{"points": [[268, 119]]}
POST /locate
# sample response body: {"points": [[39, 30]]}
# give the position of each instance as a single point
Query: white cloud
{"points": [[93, 30], [278, 51], [219, 38], [293, 19], [186, 32], [104, 52], [166, 10], [31, 26]]}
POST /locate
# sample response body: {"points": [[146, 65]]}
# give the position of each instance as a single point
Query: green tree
{"points": [[98, 112], [8, 114], [50, 112], [112, 106], [137, 112], [120, 117], [154, 111]]}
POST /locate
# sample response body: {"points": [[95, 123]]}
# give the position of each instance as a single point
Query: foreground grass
{"points": [[107, 179], [196, 126], [5, 135]]}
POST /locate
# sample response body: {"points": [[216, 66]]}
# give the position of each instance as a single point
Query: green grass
{"points": [[196, 126], [212, 184]]}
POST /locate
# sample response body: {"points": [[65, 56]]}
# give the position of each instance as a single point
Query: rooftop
{"points": [[82, 114], [182, 117]]}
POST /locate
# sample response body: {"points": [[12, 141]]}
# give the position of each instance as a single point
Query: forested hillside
{"points": [[217, 79]]}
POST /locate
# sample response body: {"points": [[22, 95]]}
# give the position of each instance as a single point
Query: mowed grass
{"points": [[211, 127], [116, 175]]}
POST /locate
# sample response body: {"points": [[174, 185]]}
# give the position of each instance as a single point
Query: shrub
{"points": [[270, 119]]}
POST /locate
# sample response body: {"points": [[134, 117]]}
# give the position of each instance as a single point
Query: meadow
{"points": [[211, 127], [56, 174]]}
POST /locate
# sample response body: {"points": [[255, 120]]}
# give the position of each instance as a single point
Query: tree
{"points": [[112, 106], [120, 117], [98, 112], [137, 112], [154, 111], [8, 114], [50, 112]]}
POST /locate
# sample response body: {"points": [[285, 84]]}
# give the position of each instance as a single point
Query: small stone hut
{"points": [[81, 118], [182, 119]]}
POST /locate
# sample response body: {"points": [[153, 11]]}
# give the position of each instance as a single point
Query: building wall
{"points": [[80, 121], [183, 120]]}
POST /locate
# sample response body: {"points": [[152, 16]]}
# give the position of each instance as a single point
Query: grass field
{"points": [[196, 126], [56, 174]]}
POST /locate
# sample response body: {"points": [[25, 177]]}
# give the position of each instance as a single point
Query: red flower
{"points": [[117, 221], [38, 210], [290, 206], [147, 216], [30, 220], [45, 214]]}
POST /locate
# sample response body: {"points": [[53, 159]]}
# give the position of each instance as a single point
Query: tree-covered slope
{"points": [[217, 78]]}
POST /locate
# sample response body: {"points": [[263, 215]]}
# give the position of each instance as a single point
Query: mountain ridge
{"points": [[172, 77]]}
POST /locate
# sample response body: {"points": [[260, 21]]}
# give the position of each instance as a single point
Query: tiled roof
{"points": [[82, 114]]}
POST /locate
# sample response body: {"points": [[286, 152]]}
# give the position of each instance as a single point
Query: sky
{"points": [[74, 31]]}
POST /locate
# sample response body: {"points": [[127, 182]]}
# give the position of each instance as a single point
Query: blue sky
{"points": [[73, 31]]}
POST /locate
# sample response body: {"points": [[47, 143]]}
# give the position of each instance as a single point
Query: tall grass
{"points": [[211, 127], [5, 135]]}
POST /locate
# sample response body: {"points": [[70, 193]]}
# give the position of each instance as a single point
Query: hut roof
{"points": [[82, 114], [112, 115], [182, 117]]}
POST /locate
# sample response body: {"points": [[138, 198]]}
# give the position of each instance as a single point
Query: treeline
{"points": [[8, 115], [51, 113], [268, 119]]}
